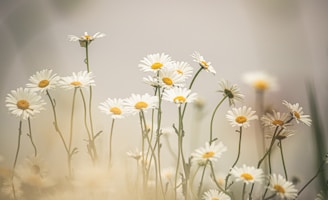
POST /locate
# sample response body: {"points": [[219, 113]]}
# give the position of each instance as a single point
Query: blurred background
{"points": [[286, 39]]}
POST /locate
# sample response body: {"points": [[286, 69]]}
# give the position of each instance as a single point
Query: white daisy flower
{"points": [[232, 92], [34, 172], [241, 116], [283, 134], [247, 174], [167, 131], [169, 78], [275, 119], [179, 95], [140, 102], [297, 112], [24, 103], [203, 63], [283, 188], [113, 107], [152, 81], [136, 154], [211, 152], [213, 194], [260, 81], [183, 69], [154, 62], [86, 38], [43, 80], [80, 80], [168, 175]]}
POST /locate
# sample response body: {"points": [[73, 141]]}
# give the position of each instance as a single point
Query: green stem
{"points": [[201, 180], [70, 154], [212, 119], [216, 182], [243, 192], [16, 158], [31, 138], [110, 143], [283, 159]]}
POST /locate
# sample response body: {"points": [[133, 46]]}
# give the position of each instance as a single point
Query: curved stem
{"points": [[212, 118], [283, 159], [216, 182], [110, 143], [201, 180], [31, 138]]}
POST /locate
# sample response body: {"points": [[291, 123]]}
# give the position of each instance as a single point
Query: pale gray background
{"points": [[287, 39]]}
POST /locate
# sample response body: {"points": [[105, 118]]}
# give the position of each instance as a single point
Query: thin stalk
{"points": [[191, 182], [212, 118], [216, 182], [16, 158], [283, 159], [243, 192], [201, 180], [70, 153], [110, 143], [31, 138]]}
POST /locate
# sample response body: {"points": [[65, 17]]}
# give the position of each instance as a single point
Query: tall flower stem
{"points": [[212, 118], [243, 191], [201, 180], [31, 138], [110, 143], [53, 105], [238, 156], [283, 159], [216, 182], [16, 158]]}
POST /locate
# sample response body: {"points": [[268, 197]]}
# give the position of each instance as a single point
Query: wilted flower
{"points": [[24, 103]]}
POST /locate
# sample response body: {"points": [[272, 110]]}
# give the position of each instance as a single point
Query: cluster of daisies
{"points": [[170, 81]]}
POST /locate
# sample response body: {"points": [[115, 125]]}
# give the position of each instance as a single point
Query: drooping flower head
{"points": [[86, 39], [283, 134], [137, 102], [113, 107], [81, 79], [247, 174], [43, 80], [297, 113], [260, 81], [24, 103], [232, 92], [211, 152], [241, 116], [179, 95], [275, 119], [213, 194], [283, 188], [154, 62], [203, 63]]}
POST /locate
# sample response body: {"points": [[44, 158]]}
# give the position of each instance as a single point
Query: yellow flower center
{"points": [[36, 169], [179, 71], [204, 64], [279, 188], [167, 81], [278, 122], [43, 83], [115, 110], [241, 119], [179, 99], [247, 176], [76, 83], [140, 105], [23, 104], [261, 85], [214, 198], [297, 115], [208, 154], [87, 37], [156, 65]]}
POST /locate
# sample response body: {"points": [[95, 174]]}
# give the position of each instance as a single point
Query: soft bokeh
{"points": [[286, 39]]}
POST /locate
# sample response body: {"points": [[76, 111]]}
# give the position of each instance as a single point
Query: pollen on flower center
{"points": [[87, 37], [179, 71], [140, 105], [156, 65], [247, 176], [278, 122], [208, 154], [23, 104], [43, 83], [76, 83], [241, 119], [167, 81], [279, 188], [179, 99], [297, 115], [204, 64], [115, 110], [261, 84]]}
